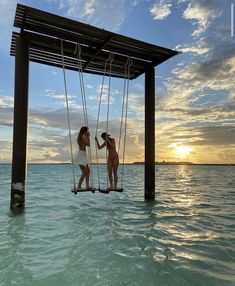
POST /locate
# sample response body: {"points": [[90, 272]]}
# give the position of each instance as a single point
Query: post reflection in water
{"points": [[15, 262]]}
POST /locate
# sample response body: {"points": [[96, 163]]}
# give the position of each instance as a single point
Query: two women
{"points": [[83, 141]]}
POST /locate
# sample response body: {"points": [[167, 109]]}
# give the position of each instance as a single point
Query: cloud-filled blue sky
{"points": [[195, 91]]}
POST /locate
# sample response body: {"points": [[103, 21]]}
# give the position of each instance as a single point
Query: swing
{"points": [[93, 190], [79, 66], [124, 100], [108, 190], [125, 94], [89, 190]]}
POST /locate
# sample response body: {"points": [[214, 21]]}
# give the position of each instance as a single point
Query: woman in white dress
{"points": [[83, 141]]}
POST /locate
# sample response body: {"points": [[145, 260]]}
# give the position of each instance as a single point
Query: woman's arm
{"points": [[98, 144]]}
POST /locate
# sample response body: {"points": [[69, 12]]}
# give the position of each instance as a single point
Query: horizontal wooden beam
{"points": [[47, 50], [96, 43]]}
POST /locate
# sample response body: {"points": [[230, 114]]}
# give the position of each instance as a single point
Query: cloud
{"points": [[89, 86], [199, 47], [6, 118], [136, 105], [6, 101], [203, 13], [104, 14], [206, 136], [6, 151], [210, 144], [60, 99], [217, 135], [48, 134], [7, 12], [161, 10], [56, 119], [49, 146], [103, 92], [49, 141], [215, 72], [196, 106]]}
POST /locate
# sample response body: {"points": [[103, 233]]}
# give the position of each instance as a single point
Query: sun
{"points": [[183, 151]]}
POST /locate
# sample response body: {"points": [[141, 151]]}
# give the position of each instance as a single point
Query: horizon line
{"points": [[133, 163]]}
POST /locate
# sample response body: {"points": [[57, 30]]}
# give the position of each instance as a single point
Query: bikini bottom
{"points": [[113, 158]]}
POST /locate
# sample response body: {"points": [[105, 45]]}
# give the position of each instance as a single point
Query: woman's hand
{"points": [[96, 141]]}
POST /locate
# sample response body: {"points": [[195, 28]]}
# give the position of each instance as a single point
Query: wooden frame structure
{"points": [[39, 40]]}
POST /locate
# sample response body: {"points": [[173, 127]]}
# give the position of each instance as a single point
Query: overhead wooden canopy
{"points": [[46, 31]]}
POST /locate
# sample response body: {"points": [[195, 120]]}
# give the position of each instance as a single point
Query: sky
{"points": [[195, 91]]}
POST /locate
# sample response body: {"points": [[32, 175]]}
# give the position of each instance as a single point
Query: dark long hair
{"points": [[103, 136], [83, 130]]}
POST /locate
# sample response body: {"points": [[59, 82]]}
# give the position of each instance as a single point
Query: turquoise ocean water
{"points": [[186, 237]]}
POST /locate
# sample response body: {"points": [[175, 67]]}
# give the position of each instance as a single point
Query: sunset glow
{"points": [[183, 151], [194, 91]]}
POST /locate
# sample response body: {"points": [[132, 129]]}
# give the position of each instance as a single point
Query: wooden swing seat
{"points": [[92, 190]]}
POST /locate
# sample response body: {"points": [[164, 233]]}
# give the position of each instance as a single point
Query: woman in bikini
{"points": [[113, 160], [83, 141]]}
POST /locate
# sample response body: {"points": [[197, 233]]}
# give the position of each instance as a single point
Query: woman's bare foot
{"points": [[79, 189]]}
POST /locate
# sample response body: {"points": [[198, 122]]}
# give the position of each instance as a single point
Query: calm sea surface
{"points": [[185, 237]]}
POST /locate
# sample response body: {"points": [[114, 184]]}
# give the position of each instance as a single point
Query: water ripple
{"points": [[186, 237]]}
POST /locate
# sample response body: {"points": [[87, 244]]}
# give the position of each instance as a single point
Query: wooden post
{"points": [[19, 154], [149, 179]]}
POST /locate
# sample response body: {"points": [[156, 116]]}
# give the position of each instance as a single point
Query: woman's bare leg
{"points": [[87, 174], [83, 169], [115, 169], [110, 167]]}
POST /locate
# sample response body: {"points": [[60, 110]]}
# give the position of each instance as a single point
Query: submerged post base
{"points": [[17, 199], [149, 196]]}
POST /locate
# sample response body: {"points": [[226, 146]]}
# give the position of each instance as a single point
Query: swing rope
{"points": [[79, 65], [84, 105], [111, 59], [123, 103], [129, 64], [124, 100], [97, 121], [67, 108]]}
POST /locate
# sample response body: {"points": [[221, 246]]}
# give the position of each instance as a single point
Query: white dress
{"points": [[81, 158]]}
